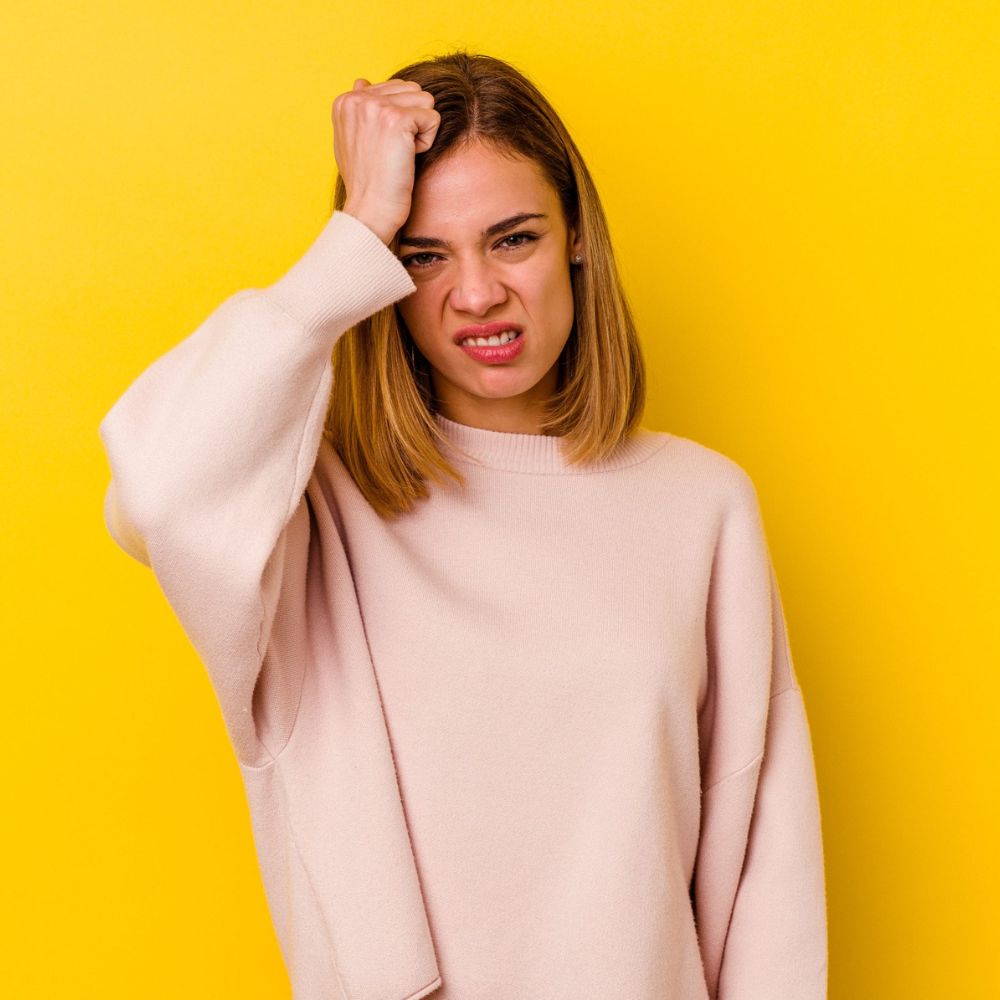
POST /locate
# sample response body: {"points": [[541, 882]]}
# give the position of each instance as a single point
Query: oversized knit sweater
{"points": [[538, 739]]}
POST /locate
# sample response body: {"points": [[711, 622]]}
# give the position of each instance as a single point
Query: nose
{"points": [[477, 287]]}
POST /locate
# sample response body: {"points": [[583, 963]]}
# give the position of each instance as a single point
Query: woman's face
{"points": [[519, 273]]}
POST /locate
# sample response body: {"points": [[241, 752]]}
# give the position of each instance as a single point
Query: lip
{"points": [[485, 330], [500, 354]]}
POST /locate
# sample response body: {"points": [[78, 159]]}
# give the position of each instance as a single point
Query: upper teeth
{"points": [[495, 341]]}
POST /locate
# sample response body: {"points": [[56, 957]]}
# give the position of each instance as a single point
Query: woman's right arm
{"points": [[212, 446]]}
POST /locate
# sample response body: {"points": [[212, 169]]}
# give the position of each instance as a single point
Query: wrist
{"points": [[384, 231]]}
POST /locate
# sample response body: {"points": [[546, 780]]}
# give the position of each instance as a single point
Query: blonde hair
{"points": [[380, 418]]}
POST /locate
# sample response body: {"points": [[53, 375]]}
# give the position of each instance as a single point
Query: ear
{"points": [[575, 244]]}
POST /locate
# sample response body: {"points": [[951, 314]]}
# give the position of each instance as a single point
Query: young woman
{"points": [[505, 672]]}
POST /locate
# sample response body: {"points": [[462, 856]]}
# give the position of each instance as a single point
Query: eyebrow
{"points": [[496, 228]]}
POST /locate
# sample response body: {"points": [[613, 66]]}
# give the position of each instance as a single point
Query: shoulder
{"points": [[711, 475]]}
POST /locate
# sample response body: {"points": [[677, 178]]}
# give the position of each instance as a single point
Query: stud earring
{"points": [[577, 259]]}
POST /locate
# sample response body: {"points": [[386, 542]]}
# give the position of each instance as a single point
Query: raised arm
{"points": [[212, 445]]}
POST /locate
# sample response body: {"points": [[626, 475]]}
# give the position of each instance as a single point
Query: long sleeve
{"points": [[759, 887], [212, 446]]}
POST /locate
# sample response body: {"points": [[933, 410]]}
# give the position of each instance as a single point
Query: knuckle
{"points": [[345, 101]]}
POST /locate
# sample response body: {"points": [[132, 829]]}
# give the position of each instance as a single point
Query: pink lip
{"points": [[485, 330], [498, 354]]}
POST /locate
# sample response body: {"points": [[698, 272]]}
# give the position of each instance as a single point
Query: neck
{"points": [[515, 451]]}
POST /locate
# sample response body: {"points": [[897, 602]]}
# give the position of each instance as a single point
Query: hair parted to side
{"points": [[380, 418]]}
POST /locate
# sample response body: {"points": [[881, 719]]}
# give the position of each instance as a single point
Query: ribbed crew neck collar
{"points": [[540, 453]]}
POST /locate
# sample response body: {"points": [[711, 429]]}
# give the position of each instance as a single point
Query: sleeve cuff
{"points": [[346, 275]]}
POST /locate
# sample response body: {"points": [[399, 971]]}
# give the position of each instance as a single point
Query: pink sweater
{"points": [[538, 740]]}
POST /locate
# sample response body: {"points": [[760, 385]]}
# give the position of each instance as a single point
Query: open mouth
{"points": [[494, 340], [496, 348]]}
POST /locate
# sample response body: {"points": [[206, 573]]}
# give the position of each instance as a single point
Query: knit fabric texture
{"points": [[540, 738]]}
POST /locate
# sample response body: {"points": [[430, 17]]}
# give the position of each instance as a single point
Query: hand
{"points": [[377, 131]]}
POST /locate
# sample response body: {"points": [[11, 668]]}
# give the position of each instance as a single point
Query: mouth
{"points": [[494, 340], [487, 334], [494, 349]]}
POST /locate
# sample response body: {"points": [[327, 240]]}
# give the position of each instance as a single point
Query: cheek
{"points": [[409, 308], [553, 300], [416, 313], [422, 313]]}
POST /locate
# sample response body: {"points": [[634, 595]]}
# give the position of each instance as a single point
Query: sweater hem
{"points": [[424, 990]]}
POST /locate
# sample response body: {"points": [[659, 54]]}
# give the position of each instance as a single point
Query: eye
{"points": [[414, 259], [528, 237]]}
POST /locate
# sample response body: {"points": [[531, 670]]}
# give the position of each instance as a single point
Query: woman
{"points": [[506, 673]]}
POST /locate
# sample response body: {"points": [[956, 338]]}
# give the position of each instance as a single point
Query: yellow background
{"points": [[804, 200]]}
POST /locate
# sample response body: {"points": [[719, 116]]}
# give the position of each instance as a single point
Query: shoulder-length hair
{"points": [[380, 418]]}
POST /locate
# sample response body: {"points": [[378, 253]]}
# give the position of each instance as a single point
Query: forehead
{"points": [[472, 187]]}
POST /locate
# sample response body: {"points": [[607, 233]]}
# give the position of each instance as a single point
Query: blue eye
{"points": [[413, 259]]}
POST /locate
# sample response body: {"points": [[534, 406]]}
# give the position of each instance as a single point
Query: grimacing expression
{"points": [[520, 273]]}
